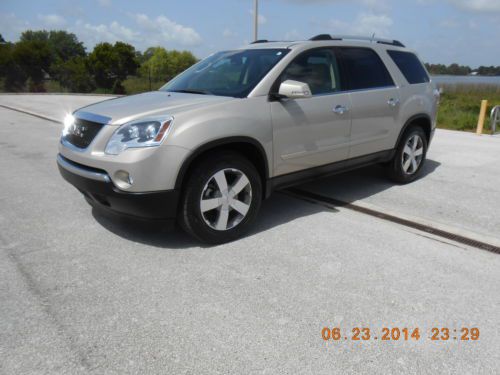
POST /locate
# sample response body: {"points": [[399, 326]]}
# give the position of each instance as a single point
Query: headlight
{"points": [[68, 122], [137, 134]]}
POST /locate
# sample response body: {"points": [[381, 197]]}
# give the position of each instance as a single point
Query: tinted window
{"points": [[364, 68], [410, 66], [318, 68], [231, 73]]}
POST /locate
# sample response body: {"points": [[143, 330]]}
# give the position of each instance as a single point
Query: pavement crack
{"points": [[46, 306]]}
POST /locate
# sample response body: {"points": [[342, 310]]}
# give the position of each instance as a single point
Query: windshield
{"points": [[230, 73]]}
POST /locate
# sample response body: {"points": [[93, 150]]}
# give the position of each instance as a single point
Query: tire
{"points": [[410, 156], [207, 211]]}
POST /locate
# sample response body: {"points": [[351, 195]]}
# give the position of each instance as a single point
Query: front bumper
{"points": [[99, 190]]}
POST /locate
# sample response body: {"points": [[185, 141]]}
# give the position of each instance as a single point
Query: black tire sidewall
{"points": [[396, 168], [191, 218]]}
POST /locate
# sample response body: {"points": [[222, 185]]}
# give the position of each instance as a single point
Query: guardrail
{"points": [[495, 119]]}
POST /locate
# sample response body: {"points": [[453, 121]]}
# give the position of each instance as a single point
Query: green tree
{"points": [[34, 58], [110, 65], [34, 35], [74, 75], [453, 69], [155, 68], [489, 70], [65, 45], [13, 75], [126, 58], [101, 62], [147, 54], [180, 61], [163, 65]]}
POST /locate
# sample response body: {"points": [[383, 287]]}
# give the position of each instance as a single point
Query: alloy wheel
{"points": [[226, 199], [413, 154]]}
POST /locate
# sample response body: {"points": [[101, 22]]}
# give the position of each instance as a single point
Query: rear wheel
{"points": [[410, 156], [221, 198]]}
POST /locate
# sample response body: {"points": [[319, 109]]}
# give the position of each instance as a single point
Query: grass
{"points": [[460, 104]]}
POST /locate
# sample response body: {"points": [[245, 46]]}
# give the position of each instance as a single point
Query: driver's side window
{"points": [[318, 68]]}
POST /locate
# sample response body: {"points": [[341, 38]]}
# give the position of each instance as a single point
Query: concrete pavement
{"points": [[84, 293]]}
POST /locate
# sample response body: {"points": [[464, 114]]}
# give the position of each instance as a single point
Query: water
{"points": [[466, 80]]}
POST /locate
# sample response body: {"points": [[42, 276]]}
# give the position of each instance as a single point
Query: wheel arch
{"points": [[423, 120], [246, 146]]}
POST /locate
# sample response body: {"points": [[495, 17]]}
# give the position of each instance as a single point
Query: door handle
{"points": [[393, 102], [340, 109]]}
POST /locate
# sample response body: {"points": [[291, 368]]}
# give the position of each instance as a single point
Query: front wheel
{"points": [[410, 156], [221, 198]]}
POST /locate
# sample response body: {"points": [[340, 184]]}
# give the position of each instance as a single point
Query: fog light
{"points": [[123, 179]]}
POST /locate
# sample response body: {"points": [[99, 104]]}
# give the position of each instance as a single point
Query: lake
{"points": [[466, 80]]}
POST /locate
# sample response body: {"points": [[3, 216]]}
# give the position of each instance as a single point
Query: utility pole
{"points": [[256, 20]]}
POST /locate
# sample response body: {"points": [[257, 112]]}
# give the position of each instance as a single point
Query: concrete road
{"points": [[460, 187], [50, 105], [84, 293]]}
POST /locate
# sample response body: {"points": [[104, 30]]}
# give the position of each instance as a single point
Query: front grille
{"points": [[82, 133]]}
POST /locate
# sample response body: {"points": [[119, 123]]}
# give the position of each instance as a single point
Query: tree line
{"points": [[462, 70], [56, 55]]}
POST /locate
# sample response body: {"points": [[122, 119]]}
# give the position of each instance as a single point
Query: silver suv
{"points": [[211, 144]]}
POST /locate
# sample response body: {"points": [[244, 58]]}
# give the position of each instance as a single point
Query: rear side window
{"points": [[410, 66], [364, 69]]}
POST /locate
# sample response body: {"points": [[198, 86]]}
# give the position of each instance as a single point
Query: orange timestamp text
{"points": [[400, 334]]}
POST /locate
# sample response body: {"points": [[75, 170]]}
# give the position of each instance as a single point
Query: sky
{"points": [[441, 31]]}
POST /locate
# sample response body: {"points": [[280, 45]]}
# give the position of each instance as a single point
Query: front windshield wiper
{"points": [[200, 92]]}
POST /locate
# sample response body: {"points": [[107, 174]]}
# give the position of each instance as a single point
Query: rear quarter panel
{"points": [[418, 99]]}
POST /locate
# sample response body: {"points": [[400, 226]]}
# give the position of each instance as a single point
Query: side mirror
{"points": [[295, 90]]}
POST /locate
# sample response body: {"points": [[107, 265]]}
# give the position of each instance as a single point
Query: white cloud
{"points": [[93, 34], [261, 19], [162, 30], [293, 35], [376, 5], [104, 3], [449, 23], [365, 24], [228, 33], [12, 27], [478, 5], [474, 5], [52, 20], [144, 32]]}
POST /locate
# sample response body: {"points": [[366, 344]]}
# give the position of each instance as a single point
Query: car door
{"points": [[374, 100], [313, 131]]}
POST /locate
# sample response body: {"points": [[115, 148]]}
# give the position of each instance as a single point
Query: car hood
{"points": [[156, 103]]}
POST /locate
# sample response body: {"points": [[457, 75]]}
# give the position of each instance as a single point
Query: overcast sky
{"points": [[442, 31]]}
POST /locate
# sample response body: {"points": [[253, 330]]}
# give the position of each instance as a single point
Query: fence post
{"points": [[482, 116]]}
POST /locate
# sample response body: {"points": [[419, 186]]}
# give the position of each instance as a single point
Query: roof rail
{"points": [[260, 41], [323, 37], [391, 42]]}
